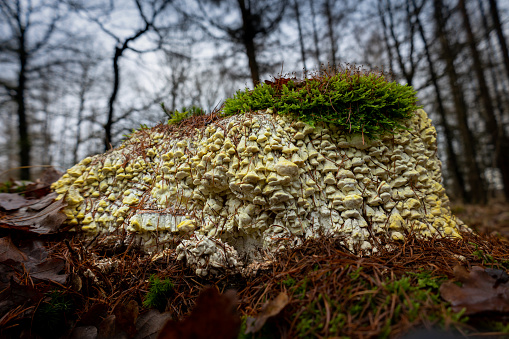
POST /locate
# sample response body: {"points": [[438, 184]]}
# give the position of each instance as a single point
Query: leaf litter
{"points": [[482, 290]]}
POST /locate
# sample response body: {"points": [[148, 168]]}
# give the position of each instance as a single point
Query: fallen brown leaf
{"points": [[41, 216], [126, 316], [95, 314], [270, 309], [120, 324], [17, 295], [480, 292], [214, 317], [11, 201], [150, 323], [51, 269], [41, 186], [107, 328], [8, 251], [32, 258]]}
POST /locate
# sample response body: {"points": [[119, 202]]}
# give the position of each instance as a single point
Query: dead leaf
{"points": [[11, 201], [95, 314], [107, 328], [500, 275], [51, 269], [120, 324], [126, 316], [270, 309], [150, 323], [32, 257], [41, 216], [214, 317], [41, 186], [39, 204], [84, 332], [480, 292], [15, 295], [8, 251]]}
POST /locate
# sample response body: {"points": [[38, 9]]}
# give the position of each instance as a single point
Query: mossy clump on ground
{"points": [[352, 99], [158, 294]]}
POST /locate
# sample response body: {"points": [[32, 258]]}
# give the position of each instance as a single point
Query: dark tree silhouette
{"points": [[477, 192], [458, 183], [498, 137], [148, 13], [28, 37], [256, 20]]}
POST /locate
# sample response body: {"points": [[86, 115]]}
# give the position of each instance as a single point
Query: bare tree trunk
{"points": [[477, 191], [81, 109], [408, 74], [301, 38], [113, 97], [492, 68], [24, 138], [248, 40], [500, 34], [498, 137], [458, 183], [46, 156], [315, 34], [388, 47], [330, 28]]}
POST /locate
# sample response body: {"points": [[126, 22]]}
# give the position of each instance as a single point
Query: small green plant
{"points": [[11, 187], [289, 282], [501, 327], [426, 280], [52, 315], [458, 317], [5, 187], [158, 294], [311, 320], [355, 274], [484, 257], [177, 116], [352, 99], [298, 288]]}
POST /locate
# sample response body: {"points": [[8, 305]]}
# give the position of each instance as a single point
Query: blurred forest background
{"points": [[76, 75]]}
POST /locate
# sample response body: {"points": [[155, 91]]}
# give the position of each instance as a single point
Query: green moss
{"points": [[413, 297], [177, 116], [352, 99], [11, 187], [158, 294]]}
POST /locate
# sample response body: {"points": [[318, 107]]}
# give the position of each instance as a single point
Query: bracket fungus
{"points": [[247, 185], [229, 200]]}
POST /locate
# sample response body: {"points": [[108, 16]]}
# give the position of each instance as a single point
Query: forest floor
{"points": [[56, 284]]}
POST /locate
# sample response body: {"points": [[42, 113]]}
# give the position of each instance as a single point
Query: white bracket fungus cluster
{"points": [[250, 184]]}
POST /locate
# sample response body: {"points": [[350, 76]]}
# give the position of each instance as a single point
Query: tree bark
{"points": [[330, 29], [386, 37], [24, 137], [315, 35], [301, 38], [113, 97], [497, 133], [500, 34], [248, 41], [407, 74], [83, 89], [458, 182], [477, 191]]}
